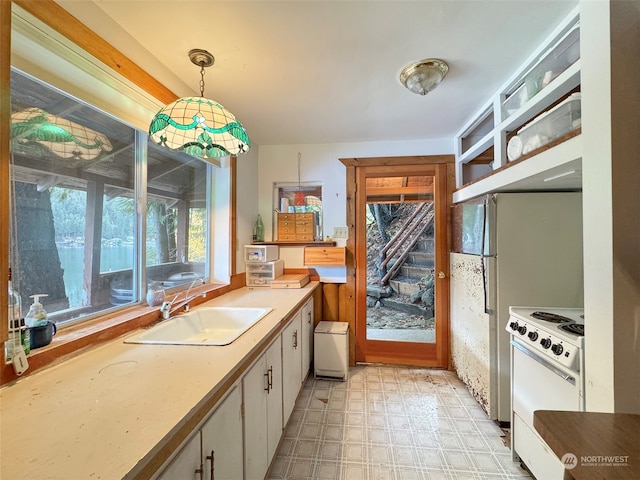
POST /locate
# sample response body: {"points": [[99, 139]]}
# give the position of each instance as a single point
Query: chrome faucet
{"points": [[168, 308]]}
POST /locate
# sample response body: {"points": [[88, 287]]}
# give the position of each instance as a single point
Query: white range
{"points": [[547, 373]]}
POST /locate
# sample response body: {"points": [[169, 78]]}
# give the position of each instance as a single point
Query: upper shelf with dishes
{"points": [[535, 111]]}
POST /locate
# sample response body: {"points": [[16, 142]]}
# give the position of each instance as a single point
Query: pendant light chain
{"points": [[202, 80]]}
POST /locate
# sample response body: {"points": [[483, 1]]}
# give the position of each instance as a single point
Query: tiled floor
{"points": [[392, 423]]}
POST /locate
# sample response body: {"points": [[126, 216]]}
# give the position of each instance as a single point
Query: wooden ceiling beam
{"points": [[399, 191]]}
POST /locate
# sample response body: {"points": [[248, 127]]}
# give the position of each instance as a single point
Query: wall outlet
{"points": [[340, 232]]}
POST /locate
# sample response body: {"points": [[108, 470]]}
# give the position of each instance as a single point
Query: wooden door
{"points": [[414, 181]]}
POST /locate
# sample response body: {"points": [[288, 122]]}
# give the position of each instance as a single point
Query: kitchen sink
{"points": [[203, 326]]}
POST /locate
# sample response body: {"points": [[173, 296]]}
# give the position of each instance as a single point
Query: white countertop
{"points": [[97, 415]]}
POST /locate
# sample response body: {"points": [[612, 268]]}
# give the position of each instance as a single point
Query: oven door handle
{"points": [[542, 362]]}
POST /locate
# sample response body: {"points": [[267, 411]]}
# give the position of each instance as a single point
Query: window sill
{"points": [[75, 339]]}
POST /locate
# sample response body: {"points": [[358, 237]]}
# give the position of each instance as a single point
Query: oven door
{"points": [[538, 384]]}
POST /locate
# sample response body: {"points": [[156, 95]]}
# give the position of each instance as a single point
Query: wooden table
{"points": [[605, 446]]}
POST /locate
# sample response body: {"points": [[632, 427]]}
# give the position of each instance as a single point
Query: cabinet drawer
{"points": [[287, 237], [304, 237], [263, 273], [304, 217], [331, 256], [302, 229], [286, 224], [286, 229]]}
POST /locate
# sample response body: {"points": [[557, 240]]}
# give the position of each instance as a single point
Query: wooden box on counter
{"points": [[291, 280], [296, 227], [325, 256]]}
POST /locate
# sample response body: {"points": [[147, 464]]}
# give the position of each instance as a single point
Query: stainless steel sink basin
{"points": [[202, 326]]}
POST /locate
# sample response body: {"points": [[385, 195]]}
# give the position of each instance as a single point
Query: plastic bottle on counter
{"points": [[15, 312], [25, 337], [13, 342], [37, 315], [15, 304]]}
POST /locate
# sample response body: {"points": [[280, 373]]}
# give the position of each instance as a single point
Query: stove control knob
{"points": [[522, 330], [545, 342], [533, 336], [513, 325], [557, 349]]}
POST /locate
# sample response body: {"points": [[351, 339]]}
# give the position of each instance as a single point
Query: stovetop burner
{"points": [[575, 328], [551, 317]]}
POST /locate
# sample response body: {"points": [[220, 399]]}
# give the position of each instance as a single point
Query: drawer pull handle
{"points": [[269, 377]]}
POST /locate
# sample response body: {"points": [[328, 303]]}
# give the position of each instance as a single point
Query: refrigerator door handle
{"points": [[485, 286], [486, 245]]}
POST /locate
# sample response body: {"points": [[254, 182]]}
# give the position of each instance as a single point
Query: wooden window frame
{"points": [[74, 339]]}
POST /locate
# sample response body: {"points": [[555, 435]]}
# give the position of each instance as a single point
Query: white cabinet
{"points": [[239, 440], [215, 450], [187, 463], [308, 323], [262, 387], [222, 440], [291, 364], [548, 76]]}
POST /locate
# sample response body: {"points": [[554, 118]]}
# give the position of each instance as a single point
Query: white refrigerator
{"points": [[508, 249]]}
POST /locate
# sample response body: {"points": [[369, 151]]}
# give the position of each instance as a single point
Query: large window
{"points": [[84, 229]]}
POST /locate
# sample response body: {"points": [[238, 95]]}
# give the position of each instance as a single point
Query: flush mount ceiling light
{"points": [[199, 126], [423, 76]]}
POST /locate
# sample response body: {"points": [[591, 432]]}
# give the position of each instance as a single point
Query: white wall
{"points": [[610, 42], [246, 202], [320, 163]]}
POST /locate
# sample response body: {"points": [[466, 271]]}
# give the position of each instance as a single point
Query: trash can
{"points": [[331, 350]]}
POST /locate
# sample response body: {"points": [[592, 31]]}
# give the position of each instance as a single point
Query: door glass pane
{"points": [[400, 259]]}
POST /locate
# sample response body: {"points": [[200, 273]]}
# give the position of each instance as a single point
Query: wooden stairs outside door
{"points": [[407, 261]]}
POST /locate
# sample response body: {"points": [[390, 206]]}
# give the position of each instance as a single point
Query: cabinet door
{"points": [[308, 324], [254, 386], [262, 389], [187, 464], [274, 398], [222, 440], [291, 364]]}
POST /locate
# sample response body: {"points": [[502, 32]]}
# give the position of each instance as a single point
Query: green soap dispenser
{"points": [[37, 316]]}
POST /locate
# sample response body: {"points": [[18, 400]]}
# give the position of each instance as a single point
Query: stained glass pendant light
{"points": [[199, 126], [60, 136]]}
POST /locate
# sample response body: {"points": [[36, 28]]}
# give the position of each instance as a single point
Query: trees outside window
{"points": [[78, 224]]}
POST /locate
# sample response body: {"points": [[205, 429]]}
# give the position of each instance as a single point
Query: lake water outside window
{"points": [[74, 213]]}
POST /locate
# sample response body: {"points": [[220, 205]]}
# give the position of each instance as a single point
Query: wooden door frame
{"points": [[352, 302]]}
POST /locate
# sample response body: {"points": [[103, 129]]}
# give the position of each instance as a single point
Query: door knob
{"points": [[441, 275]]}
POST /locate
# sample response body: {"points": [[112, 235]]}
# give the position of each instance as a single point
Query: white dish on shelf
{"points": [[514, 148]]}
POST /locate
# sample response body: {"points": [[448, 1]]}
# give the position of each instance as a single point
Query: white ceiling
{"points": [[300, 72]]}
